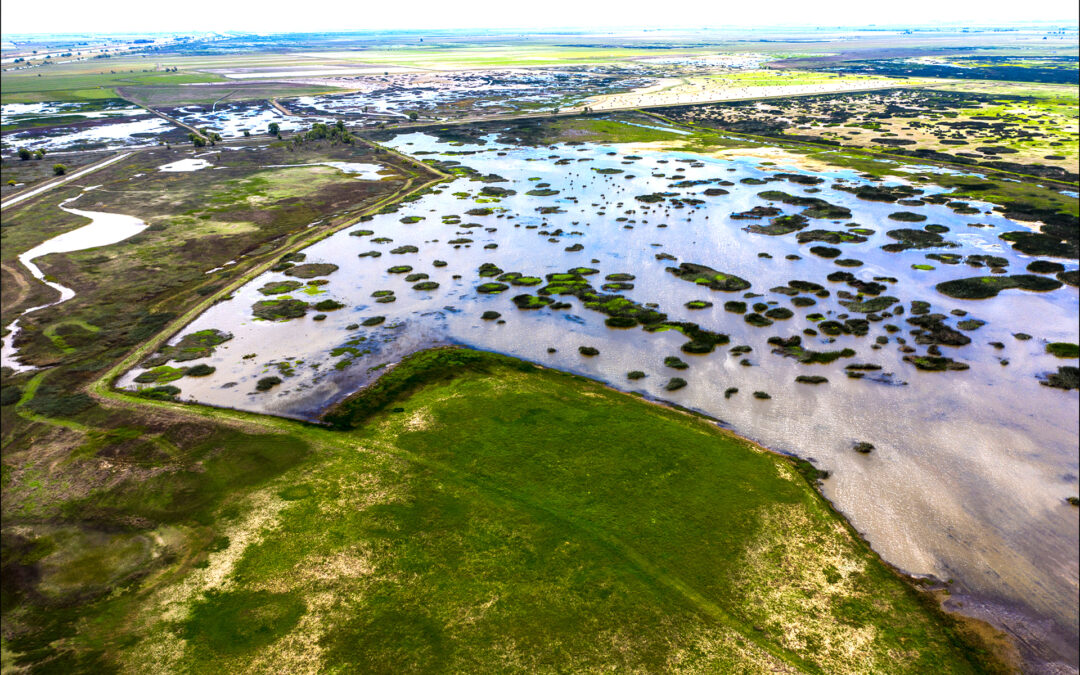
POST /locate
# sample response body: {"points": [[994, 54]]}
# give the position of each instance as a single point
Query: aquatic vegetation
{"points": [[830, 237], [698, 304], [977, 288], [762, 395], [780, 225], [933, 331], [707, 276], [674, 384], [878, 304], [915, 239], [279, 287], [196, 345], [1036, 243], [813, 207], [491, 287], [588, 351], [1063, 350], [161, 375], [328, 305], [1066, 377], [404, 249], [635, 375], [676, 363], [489, 270], [373, 321], [311, 270], [426, 286], [863, 447], [267, 383], [825, 251], [526, 301], [935, 363], [811, 379], [735, 306], [399, 269], [755, 319], [792, 347], [907, 217], [1045, 267], [281, 309]]}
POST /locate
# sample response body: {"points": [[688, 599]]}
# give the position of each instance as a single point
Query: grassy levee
{"points": [[477, 512]]}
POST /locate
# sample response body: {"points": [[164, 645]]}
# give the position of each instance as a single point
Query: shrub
{"points": [[267, 383]]}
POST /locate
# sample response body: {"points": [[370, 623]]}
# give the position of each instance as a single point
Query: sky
{"points": [[120, 16]]}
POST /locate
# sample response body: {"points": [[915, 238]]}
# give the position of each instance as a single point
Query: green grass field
{"points": [[61, 83], [486, 514]]}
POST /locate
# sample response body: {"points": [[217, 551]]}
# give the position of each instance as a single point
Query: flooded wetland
{"points": [[803, 308], [455, 351]]}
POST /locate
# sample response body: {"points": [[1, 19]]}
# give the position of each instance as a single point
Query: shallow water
{"points": [[104, 229], [231, 120], [183, 165], [124, 132], [970, 470]]}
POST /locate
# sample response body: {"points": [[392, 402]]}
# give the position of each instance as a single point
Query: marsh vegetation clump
{"points": [[933, 363], [279, 309], [707, 276], [674, 384], [196, 345], [811, 379], [1063, 350], [908, 238], [311, 270], [491, 288], [863, 447], [907, 217], [780, 225], [676, 363], [792, 347], [267, 383], [978, 288], [279, 287], [1066, 377], [588, 351]]}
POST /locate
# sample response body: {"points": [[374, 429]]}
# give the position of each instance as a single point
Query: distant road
{"points": [[56, 183]]}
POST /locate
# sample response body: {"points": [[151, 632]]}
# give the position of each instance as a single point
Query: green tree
{"points": [[274, 129], [24, 154], [59, 169], [414, 115]]}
